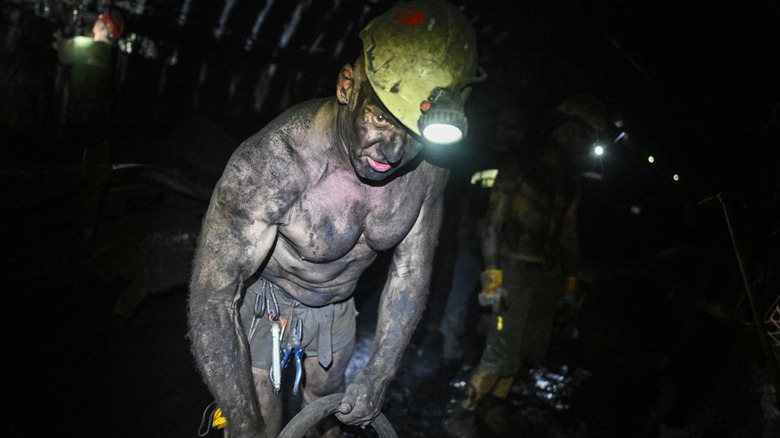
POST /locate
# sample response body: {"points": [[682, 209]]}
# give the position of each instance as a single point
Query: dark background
{"points": [[93, 308]]}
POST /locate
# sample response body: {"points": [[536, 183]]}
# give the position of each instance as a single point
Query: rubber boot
{"points": [[494, 411], [503, 386], [480, 384], [461, 422]]}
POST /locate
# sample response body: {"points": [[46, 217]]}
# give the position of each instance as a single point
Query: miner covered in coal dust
{"points": [[530, 251], [303, 208]]}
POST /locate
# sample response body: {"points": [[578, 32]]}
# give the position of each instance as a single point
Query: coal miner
{"points": [[303, 208], [530, 251], [91, 63]]}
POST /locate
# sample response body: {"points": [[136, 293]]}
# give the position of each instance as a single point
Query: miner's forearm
{"points": [[570, 244], [496, 215], [490, 249], [223, 360], [570, 255], [400, 309]]}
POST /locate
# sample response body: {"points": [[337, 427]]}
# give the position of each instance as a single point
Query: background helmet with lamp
{"points": [[420, 58], [114, 22], [591, 113]]}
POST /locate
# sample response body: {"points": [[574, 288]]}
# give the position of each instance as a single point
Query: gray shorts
{"points": [[342, 329]]}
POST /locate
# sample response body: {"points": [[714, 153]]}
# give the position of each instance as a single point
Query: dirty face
{"points": [[510, 128], [577, 140], [377, 143], [100, 31]]}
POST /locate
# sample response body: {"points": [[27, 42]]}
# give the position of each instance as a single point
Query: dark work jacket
{"points": [[92, 66]]}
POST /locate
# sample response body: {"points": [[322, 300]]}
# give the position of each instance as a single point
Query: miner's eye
{"points": [[380, 120]]}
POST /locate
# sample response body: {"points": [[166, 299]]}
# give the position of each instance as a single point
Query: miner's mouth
{"points": [[377, 166]]}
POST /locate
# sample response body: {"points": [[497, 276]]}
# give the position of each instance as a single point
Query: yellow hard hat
{"points": [[415, 49]]}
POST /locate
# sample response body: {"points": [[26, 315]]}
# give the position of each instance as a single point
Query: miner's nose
{"points": [[393, 150]]}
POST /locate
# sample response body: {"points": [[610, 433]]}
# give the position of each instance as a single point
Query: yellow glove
{"points": [[218, 421], [493, 294], [571, 286], [567, 308], [491, 279]]}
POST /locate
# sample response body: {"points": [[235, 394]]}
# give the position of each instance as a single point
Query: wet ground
{"points": [[94, 318]]}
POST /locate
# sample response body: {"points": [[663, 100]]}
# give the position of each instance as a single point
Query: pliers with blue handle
{"points": [[286, 353], [298, 356]]}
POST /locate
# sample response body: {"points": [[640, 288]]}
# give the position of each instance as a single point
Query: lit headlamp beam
{"points": [[444, 121]]}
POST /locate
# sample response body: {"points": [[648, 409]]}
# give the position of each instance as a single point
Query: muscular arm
{"points": [[498, 210], [570, 244], [238, 232], [401, 306]]}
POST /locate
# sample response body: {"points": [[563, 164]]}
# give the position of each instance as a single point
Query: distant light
{"points": [[598, 150], [651, 159], [635, 210], [82, 41], [676, 177], [617, 139], [485, 178]]}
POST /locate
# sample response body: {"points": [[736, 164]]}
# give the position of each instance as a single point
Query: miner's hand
{"points": [[362, 401], [491, 280]]}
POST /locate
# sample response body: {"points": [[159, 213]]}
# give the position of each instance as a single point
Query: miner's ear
{"points": [[345, 84]]}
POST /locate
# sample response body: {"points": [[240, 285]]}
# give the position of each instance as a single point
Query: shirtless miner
{"points": [[305, 205]]}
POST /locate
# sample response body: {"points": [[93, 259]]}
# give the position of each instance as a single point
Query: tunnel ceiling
{"points": [[689, 78]]}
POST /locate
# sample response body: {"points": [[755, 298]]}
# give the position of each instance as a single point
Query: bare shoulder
{"points": [[284, 138], [269, 165]]}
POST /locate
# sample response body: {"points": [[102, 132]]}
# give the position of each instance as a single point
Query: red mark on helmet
{"points": [[410, 16], [425, 106]]}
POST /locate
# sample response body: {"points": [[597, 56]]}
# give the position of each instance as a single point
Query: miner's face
{"points": [[577, 140], [377, 143], [511, 128], [100, 31]]}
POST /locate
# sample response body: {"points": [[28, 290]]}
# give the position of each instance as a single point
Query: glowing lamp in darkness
{"points": [[484, 178], [651, 159], [82, 41], [598, 150], [676, 177], [442, 133], [443, 120]]}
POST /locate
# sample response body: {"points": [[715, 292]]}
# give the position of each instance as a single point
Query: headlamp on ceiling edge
{"points": [[443, 120]]}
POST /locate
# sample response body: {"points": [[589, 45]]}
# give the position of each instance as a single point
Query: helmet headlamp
{"points": [[443, 120], [423, 51]]}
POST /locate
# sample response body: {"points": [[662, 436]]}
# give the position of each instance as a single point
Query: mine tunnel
{"points": [[674, 330]]}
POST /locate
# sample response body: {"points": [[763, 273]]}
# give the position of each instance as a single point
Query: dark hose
{"points": [[328, 405]]}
